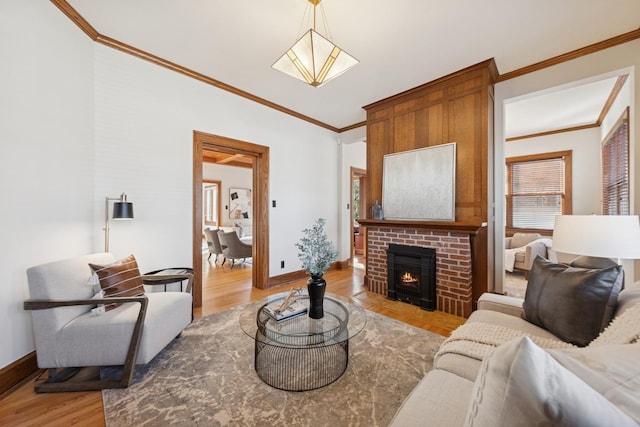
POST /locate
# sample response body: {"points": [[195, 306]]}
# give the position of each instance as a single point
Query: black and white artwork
{"points": [[239, 203]]}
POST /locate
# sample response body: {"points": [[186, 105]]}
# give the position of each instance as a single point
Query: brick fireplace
{"points": [[411, 275], [454, 246]]}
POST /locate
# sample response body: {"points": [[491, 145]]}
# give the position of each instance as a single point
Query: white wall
{"points": [[585, 146], [80, 121], [606, 63], [46, 154], [145, 118], [230, 177]]}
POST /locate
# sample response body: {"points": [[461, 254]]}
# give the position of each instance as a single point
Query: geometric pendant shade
{"points": [[314, 59]]}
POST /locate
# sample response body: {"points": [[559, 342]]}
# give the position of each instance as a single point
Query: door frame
{"points": [[260, 156], [356, 173]]}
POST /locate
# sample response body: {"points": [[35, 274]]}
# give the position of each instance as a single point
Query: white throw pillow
{"points": [[611, 370], [520, 384]]}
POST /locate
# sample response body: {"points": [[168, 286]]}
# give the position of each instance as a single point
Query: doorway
{"points": [[357, 203], [545, 121], [259, 156]]}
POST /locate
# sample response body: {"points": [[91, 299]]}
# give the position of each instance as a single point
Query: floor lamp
{"points": [[121, 210]]}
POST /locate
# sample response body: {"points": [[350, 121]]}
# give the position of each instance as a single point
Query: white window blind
{"points": [[615, 171], [535, 192]]}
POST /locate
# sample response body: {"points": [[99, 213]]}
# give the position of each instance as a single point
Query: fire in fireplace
{"points": [[411, 275]]}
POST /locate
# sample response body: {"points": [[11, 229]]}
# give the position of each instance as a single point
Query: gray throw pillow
{"points": [[575, 304]]}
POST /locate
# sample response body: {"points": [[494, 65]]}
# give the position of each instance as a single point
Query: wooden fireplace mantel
{"points": [[445, 226]]}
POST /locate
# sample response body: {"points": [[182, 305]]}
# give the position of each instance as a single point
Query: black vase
{"points": [[316, 286]]}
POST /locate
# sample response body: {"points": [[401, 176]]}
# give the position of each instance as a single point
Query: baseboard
{"points": [[287, 278], [18, 371], [293, 276], [343, 265]]}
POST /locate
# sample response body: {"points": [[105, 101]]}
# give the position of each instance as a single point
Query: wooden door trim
{"points": [[260, 155]]}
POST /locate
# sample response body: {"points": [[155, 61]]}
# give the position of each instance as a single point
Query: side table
{"points": [[165, 276]]}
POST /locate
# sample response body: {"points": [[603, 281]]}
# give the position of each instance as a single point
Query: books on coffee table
{"points": [[294, 309]]}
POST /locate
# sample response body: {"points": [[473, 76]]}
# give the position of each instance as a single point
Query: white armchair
{"points": [[522, 249], [69, 337]]}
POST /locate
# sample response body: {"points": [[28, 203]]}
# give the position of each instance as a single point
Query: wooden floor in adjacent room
{"points": [[223, 288]]}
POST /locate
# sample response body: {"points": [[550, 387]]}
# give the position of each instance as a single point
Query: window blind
{"points": [[535, 193], [615, 172]]}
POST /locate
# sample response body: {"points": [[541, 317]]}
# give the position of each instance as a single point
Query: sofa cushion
{"points": [[558, 295], [611, 370], [628, 297], [439, 399], [104, 340], [509, 321], [467, 367], [521, 384]]}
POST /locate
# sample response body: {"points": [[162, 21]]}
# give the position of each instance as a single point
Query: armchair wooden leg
{"points": [[78, 379]]}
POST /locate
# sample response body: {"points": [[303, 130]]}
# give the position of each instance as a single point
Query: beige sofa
{"points": [[455, 392]]}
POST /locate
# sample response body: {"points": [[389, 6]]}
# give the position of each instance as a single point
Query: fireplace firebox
{"points": [[411, 275]]}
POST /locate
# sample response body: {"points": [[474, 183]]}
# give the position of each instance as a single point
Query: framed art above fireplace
{"points": [[420, 184]]}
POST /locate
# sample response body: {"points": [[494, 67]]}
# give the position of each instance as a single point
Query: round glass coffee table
{"points": [[301, 353]]}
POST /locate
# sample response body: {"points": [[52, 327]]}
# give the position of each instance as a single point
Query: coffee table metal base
{"points": [[303, 368], [302, 353]]}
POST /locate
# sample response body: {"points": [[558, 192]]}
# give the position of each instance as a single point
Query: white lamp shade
{"points": [[314, 60], [605, 236]]}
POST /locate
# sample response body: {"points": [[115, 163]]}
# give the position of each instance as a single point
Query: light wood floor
{"points": [[223, 288]]}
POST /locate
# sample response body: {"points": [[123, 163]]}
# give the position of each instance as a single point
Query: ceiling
{"points": [[556, 109], [400, 44], [228, 159]]}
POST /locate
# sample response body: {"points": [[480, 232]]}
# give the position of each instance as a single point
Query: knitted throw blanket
{"points": [[623, 329], [476, 340]]}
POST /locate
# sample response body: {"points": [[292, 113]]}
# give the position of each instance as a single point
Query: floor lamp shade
{"points": [[121, 210], [604, 236]]}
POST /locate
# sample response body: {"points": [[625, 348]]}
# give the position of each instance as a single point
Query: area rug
{"points": [[207, 378]]}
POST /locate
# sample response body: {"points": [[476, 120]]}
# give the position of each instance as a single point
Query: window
{"points": [[615, 169], [538, 189], [211, 202]]}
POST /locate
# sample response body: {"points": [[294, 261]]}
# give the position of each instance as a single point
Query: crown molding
{"points": [[68, 10], [94, 35], [574, 54]]}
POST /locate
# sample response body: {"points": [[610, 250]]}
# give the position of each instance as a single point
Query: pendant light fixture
{"points": [[314, 59]]}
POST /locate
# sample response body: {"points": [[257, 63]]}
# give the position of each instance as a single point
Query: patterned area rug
{"points": [[206, 378]]}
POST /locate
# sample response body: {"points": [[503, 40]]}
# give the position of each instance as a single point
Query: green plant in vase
{"points": [[317, 253]]}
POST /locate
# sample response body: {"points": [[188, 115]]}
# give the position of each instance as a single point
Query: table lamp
{"points": [[598, 236]]}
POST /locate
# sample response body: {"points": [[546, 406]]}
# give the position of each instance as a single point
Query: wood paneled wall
{"points": [[455, 108]]}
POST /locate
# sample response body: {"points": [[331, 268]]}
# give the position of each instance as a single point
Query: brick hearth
{"points": [[453, 263]]}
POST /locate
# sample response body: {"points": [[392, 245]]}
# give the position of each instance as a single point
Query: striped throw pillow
{"points": [[120, 279]]}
